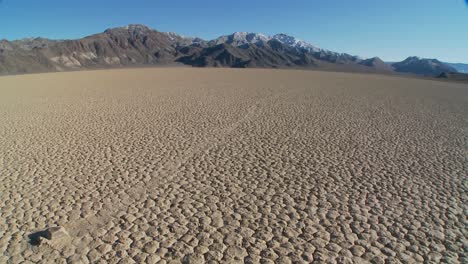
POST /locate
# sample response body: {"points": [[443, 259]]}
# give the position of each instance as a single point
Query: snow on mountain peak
{"points": [[243, 38], [286, 39], [293, 42], [250, 37], [181, 39]]}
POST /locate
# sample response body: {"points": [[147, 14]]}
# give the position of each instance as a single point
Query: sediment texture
{"points": [[224, 165]]}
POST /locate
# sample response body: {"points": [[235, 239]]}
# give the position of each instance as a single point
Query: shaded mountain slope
{"points": [[271, 54], [454, 76], [131, 45]]}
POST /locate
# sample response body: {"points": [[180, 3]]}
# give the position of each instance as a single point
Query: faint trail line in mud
{"points": [[213, 140], [171, 169]]}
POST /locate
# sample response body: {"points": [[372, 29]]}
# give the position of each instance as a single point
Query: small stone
{"points": [[54, 233]]}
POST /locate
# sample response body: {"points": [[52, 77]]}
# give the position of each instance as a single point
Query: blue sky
{"points": [[390, 29]]}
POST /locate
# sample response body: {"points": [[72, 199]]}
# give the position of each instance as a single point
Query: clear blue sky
{"points": [[390, 29]]}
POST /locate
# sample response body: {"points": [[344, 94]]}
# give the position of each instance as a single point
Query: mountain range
{"points": [[138, 45]]}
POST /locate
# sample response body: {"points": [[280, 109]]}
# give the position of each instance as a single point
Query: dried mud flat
{"points": [[222, 165]]}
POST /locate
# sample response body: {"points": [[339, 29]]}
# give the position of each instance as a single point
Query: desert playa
{"points": [[182, 165]]}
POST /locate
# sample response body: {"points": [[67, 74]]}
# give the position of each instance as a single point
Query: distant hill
{"points": [[427, 67], [376, 62], [460, 67], [137, 45]]}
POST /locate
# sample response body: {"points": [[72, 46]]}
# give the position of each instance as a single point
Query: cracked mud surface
{"points": [[222, 165]]}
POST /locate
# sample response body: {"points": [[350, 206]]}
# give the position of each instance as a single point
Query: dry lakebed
{"points": [[182, 165]]}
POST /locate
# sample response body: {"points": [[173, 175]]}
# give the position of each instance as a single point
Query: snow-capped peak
{"points": [[249, 37], [242, 38], [286, 39], [175, 36], [182, 40], [296, 43]]}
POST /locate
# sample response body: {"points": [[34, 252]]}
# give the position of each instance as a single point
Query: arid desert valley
{"points": [[182, 165]]}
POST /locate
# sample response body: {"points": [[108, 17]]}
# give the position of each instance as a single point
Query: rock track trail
{"points": [[233, 166]]}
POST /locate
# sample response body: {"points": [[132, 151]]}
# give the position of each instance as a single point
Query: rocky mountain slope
{"points": [[131, 45], [270, 54], [136, 45]]}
